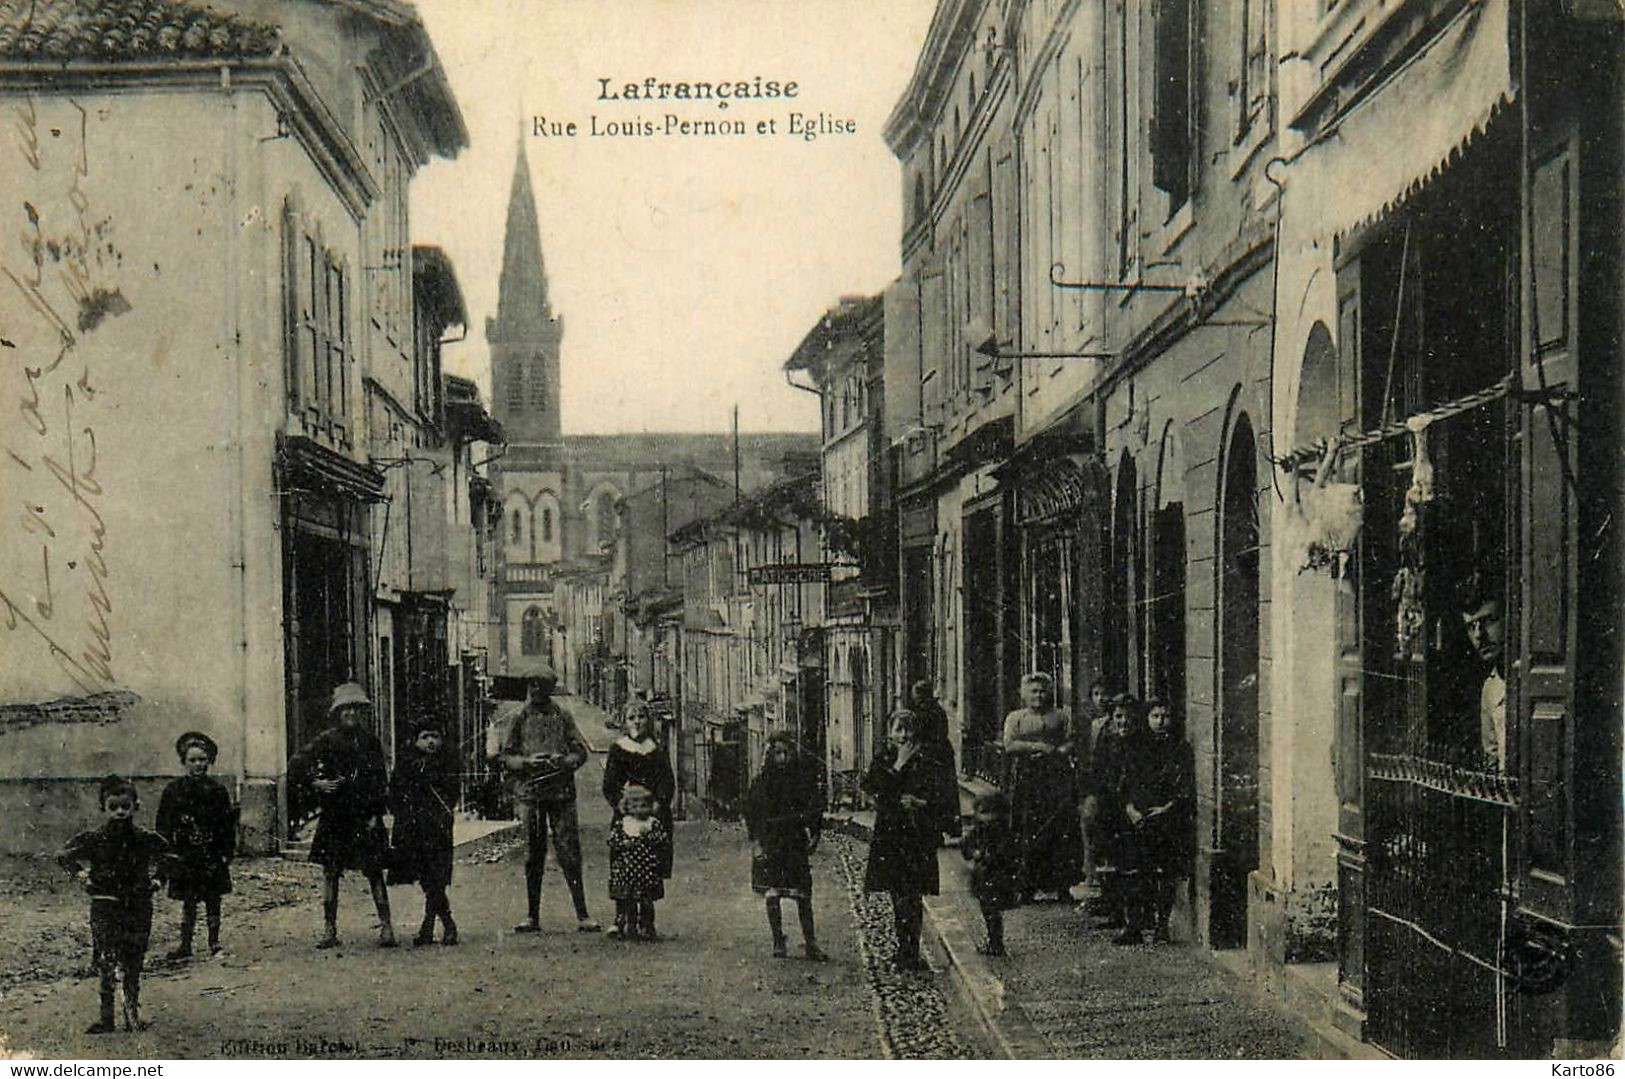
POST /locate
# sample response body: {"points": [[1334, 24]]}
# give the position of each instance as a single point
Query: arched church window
{"points": [[605, 519], [532, 632], [547, 524], [516, 528], [538, 384]]}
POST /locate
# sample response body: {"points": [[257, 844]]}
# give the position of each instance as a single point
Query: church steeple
{"points": [[525, 335]]}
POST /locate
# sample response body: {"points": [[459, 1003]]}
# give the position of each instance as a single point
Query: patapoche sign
{"points": [[790, 573]]}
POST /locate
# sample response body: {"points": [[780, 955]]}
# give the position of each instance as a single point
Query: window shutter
{"points": [[1545, 620], [1349, 746], [1170, 124], [291, 292]]}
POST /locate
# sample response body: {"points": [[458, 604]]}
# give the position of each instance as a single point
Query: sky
{"points": [[686, 269]]}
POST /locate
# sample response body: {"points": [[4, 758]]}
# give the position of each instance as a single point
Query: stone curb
{"points": [[981, 988], [978, 985]]}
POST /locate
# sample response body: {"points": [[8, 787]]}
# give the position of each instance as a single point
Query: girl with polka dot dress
{"points": [[636, 843]]}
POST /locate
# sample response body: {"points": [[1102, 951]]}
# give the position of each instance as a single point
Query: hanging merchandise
{"points": [[1420, 491], [1410, 615], [1327, 519]]}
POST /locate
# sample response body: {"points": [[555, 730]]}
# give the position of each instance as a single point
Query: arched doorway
{"points": [[1121, 664], [1236, 733], [1166, 603]]}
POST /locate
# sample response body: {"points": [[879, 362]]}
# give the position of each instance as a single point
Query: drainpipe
{"points": [[242, 508]]}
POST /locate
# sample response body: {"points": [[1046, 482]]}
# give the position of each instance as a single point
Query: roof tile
{"points": [[67, 30]]}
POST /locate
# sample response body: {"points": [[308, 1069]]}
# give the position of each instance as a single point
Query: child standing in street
{"points": [[783, 816], [196, 819], [905, 780], [994, 868], [636, 843], [422, 794], [117, 862], [343, 767]]}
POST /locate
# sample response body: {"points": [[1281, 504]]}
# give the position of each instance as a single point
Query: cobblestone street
{"points": [[710, 989]]}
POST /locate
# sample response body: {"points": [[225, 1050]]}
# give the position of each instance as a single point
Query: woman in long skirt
{"points": [[1043, 795]]}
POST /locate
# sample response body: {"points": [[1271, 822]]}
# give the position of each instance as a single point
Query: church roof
{"points": [[665, 447], [522, 289]]}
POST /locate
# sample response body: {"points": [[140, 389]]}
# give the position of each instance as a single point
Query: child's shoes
{"points": [[781, 948], [813, 953]]}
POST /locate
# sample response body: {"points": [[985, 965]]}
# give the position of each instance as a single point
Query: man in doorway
{"points": [[934, 736], [541, 754], [1485, 623]]}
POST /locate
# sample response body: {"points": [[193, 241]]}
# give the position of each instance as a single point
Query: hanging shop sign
{"points": [[791, 573]]}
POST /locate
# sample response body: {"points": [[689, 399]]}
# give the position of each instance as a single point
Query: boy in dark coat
{"points": [[196, 819], [1159, 802], [906, 782], [784, 816], [422, 794], [117, 863], [1114, 755], [994, 866]]}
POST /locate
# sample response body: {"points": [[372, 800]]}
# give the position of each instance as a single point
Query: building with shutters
{"points": [[843, 356], [1284, 388], [1448, 319], [217, 235]]}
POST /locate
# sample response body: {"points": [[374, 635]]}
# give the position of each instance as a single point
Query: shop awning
{"points": [[1447, 93]]}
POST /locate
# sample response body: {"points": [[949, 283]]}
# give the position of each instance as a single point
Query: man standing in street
{"points": [[541, 754]]}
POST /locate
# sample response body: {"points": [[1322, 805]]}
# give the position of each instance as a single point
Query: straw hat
{"points": [[348, 693]]}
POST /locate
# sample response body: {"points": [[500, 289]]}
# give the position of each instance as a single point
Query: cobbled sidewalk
{"points": [[1064, 990], [911, 1010]]}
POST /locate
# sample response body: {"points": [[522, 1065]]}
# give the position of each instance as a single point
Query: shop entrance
{"points": [[1236, 744], [1437, 327]]}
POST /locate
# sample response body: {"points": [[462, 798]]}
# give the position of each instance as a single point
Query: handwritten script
{"points": [[57, 287]]}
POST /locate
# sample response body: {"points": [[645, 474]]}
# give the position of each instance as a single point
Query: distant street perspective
{"points": [[812, 529]]}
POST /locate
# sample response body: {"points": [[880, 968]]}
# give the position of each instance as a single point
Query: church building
{"points": [[564, 497]]}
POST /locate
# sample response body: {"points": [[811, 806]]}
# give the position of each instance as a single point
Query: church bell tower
{"points": [[525, 334]]}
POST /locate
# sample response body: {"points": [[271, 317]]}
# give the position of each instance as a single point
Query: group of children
{"points": [[1136, 780], [120, 865], [1138, 786]]}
